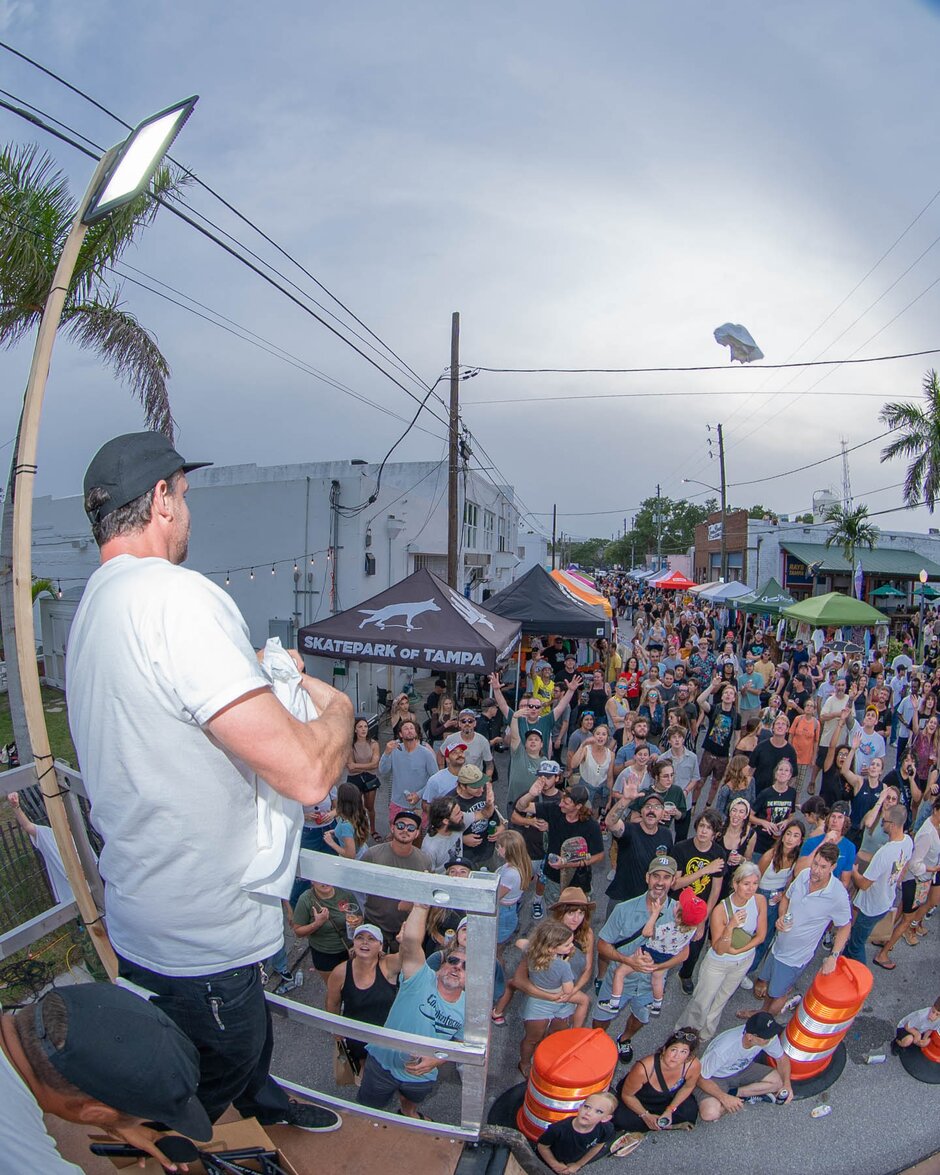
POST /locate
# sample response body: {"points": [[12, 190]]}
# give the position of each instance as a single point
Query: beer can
{"points": [[820, 1111]]}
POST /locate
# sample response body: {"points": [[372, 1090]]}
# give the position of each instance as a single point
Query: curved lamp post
{"points": [[121, 176]]}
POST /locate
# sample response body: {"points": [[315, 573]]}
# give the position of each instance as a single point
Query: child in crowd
{"points": [[548, 970], [661, 945], [916, 1027], [566, 1146]]}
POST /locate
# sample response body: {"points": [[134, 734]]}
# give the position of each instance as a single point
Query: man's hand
{"points": [[575, 683], [829, 964], [471, 840], [144, 1140], [731, 1104], [639, 960], [392, 745], [495, 684], [422, 1067], [13, 799]]}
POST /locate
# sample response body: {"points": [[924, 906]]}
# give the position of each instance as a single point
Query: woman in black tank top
{"points": [[661, 1086], [364, 987]]}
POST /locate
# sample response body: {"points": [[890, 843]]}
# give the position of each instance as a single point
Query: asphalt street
{"points": [[882, 1120]]}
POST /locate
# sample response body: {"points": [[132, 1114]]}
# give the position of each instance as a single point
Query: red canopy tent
{"points": [[674, 582]]}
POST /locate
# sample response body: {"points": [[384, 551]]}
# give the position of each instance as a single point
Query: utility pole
{"points": [[659, 531], [724, 504], [554, 521], [453, 450]]}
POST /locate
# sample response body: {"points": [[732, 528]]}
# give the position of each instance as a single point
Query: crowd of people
{"points": [[729, 797]]}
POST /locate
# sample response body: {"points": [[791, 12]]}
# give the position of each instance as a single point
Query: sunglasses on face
{"points": [[456, 961], [687, 1037], [403, 824]]}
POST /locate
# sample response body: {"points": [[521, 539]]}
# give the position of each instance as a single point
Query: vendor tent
{"points": [[726, 593], [770, 600], [675, 581], [887, 592], [836, 610], [543, 606], [585, 594], [703, 587], [418, 622]]}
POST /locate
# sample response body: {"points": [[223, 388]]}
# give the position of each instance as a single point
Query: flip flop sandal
{"points": [[625, 1145], [884, 966], [497, 1018], [417, 1114]]}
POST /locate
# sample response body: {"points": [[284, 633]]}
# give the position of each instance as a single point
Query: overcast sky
{"points": [[595, 185]]}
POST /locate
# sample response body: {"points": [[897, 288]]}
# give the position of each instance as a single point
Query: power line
{"points": [[811, 465], [651, 396]]}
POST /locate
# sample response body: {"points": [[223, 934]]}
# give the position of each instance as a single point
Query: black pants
{"points": [[226, 1017]]}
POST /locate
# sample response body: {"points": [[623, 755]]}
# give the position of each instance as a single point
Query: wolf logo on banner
{"points": [[381, 617]]}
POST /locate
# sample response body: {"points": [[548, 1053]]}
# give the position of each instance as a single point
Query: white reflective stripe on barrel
{"points": [[820, 1027], [796, 1054], [551, 1103], [535, 1120]]}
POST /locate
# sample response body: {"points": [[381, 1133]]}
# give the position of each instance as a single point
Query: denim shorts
{"points": [[378, 1087], [508, 923]]}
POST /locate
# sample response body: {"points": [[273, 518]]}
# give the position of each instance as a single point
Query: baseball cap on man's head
{"points": [[549, 767], [470, 776], [446, 751], [129, 465], [124, 1052], [763, 1026], [663, 865]]}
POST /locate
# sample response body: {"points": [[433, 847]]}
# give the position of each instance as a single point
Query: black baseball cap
{"points": [[129, 465], [763, 1026], [123, 1051]]}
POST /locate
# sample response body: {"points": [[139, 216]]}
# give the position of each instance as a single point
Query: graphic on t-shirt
{"points": [[695, 864], [721, 728], [778, 810], [435, 1009]]}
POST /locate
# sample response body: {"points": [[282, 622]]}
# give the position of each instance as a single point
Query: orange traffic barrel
{"points": [[567, 1067], [923, 1063], [824, 1016]]}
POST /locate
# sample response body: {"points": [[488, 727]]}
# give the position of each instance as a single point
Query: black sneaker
{"points": [[625, 1051], [687, 986], [305, 1116], [538, 910]]}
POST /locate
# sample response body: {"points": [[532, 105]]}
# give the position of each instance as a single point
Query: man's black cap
{"points": [[123, 1051], [129, 465], [763, 1026]]}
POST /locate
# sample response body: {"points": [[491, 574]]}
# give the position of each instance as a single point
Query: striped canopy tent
{"points": [[581, 578], [675, 581], [585, 594]]}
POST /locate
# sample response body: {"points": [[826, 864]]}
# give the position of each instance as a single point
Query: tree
{"points": [[850, 529], [589, 553], [919, 427], [36, 213]]}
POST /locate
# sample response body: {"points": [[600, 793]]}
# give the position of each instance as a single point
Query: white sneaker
{"points": [[747, 983], [792, 1002], [612, 874]]}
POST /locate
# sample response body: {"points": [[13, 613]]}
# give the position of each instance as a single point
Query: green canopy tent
{"points": [[887, 591], [835, 610], [770, 600]]}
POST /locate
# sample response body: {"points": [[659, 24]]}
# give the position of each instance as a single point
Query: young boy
{"points": [[916, 1027], [567, 1145], [661, 945]]}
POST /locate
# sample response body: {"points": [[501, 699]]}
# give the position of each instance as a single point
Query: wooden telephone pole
{"points": [[453, 452]]}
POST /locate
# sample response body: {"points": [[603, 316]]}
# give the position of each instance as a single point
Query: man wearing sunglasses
{"points": [[429, 1003], [529, 715], [399, 852], [478, 751]]}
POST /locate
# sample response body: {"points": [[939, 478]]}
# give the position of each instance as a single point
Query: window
{"points": [[489, 525], [502, 546], [470, 513]]}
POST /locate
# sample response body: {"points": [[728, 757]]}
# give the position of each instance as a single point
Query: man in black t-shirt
{"points": [[701, 862], [719, 706], [767, 754], [637, 844], [570, 817], [476, 797], [773, 806], [555, 655]]}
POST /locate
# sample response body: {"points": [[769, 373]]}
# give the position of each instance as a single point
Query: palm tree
{"points": [[36, 213], [919, 426], [850, 529]]}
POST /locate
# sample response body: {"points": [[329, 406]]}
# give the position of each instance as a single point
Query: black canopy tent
{"points": [[420, 623], [536, 600]]}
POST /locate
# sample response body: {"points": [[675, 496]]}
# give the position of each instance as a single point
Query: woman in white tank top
{"points": [[594, 761], [738, 926]]}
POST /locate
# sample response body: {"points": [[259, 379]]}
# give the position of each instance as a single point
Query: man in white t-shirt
{"points": [[733, 1051], [479, 752], [43, 839], [102, 1057], [878, 885], [173, 720]]}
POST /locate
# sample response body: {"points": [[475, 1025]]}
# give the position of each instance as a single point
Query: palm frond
{"points": [[130, 351], [918, 439]]}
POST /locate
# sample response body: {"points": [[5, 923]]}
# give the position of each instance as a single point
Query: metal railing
{"points": [[477, 897], [70, 783]]}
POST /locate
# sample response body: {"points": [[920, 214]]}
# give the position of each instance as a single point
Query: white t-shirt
{"points": [[884, 869], [441, 783], [439, 850], [25, 1144], [479, 750], [812, 913], [156, 651], [509, 875], [832, 705], [44, 840], [920, 1021], [726, 1054]]}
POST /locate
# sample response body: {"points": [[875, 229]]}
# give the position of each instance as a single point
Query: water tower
{"points": [[822, 500]]}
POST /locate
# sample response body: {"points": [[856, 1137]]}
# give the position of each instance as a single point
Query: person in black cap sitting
{"points": [[733, 1051], [101, 1056]]}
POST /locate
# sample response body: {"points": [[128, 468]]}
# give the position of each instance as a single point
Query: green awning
{"points": [[887, 592], [928, 591], [835, 609], [880, 561], [768, 600]]}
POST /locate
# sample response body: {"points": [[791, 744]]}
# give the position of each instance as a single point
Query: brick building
{"points": [[707, 557]]}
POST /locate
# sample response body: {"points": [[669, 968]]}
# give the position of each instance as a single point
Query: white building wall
{"points": [[248, 517]]}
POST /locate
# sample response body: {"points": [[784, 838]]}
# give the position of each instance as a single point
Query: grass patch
{"points": [[57, 723]]}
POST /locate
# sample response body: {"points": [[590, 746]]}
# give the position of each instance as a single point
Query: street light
{"points": [[723, 572], [920, 629], [121, 175]]}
